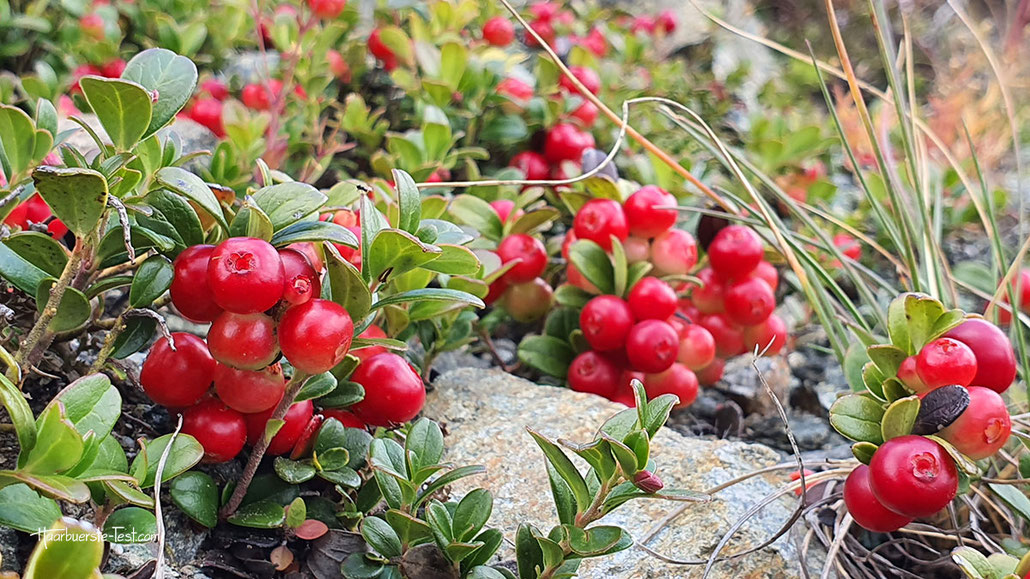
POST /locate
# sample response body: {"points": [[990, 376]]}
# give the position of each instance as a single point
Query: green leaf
{"points": [[177, 212], [455, 260], [409, 529], [123, 108], [77, 555], [346, 287], [535, 220], [136, 335], [260, 515], [40, 250], [625, 456], [565, 469], [409, 201], [1013, 497], [20, 272], [78, 197], [173, 77], [453, 60], [130, 525], [314, 231], [58, 445], [448, 478], [296, 513], [424, 444], [19, 413], [857, 417], [333, 459], [287, 203], [193, 188], [185, 453], [547, 354], [73, 311], [597, 453], [316, 387], [656, 413], [598, 540], [429, 294], [503, 129], [595, 265], [564, 501], [887, 357], [528, 555], [355, 441], [864, 451], [439, 519], [196, 494], [292, 471], [394, 252], [381, 537], [153, 278], [17, 141], [491, 540], [360, 566], [55, 486], [899, 417], [24, 509], [251, 221], [478, 214], [91, 403], [472, 512]]}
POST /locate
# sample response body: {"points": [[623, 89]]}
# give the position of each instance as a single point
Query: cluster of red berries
{"points": [[523, 293], [913, 476], [261, 303]]}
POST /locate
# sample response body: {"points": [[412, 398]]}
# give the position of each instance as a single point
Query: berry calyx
{"points": [[652, 299], [243, 341], [983, 427], [643, 214], [315, 336], [913, 476], [735, 251], [606, 322], [599, 220], [245, 275], [190, 292], [529, 251], [946, 361], [595, 373], [177, 378], [865, 508], [250, 391], [652, 346], [394, 393]]}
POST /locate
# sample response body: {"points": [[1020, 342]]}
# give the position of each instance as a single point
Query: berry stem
{"points": [[292, 389]]}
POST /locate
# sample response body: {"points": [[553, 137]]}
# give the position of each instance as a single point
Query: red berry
{"points": [[729, 339], [295, 422], [913, 476], [378, 48], [643, 214], [394, 393], [735, 251], [666, 21], [585, 75], [599, 220], [219, 429], [711, 373], [865, 508], [300, 280], [496, 290], [709, 297], [565, 142], [644, 24], [529, 301], [909, 376], [215, 88], [652, 299], [372, 331], [515, 89], [595, 42], [499, 31], [995, 360], [674, 252], [605, 322], [529, 250], [92, 25], [771, 333], [749, 301], [983, 428], [652, 346], [533, 165], [113, 68], [315, 336], [544, 10], [345, 418], [245, 275], [250, 391], [257, 97], [594, 372], [542, 28], [306, 441], [766, 272], [327, 9], [190, 292], [677, 380], [946, 361], [636, 249], [338, 66], [178, 378], [847, 246], [208, 112], [585, 113], [697, 347], [503, 209], [243, 341]]}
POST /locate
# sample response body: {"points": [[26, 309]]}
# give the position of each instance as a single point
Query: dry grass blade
{"points": [[159, 573]]}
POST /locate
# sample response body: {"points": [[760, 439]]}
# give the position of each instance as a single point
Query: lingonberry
{"points": [[216, 88], [346, 418], [594, 372], [504, 208], [544, 10], [652, 299], [644, 215], [697, 347], [605, 322], [848, 246], [256, 96], [769, 336], [735, 251], [636, 249], [294, 423], [177, 378], [191, 294], [306, 440], [766, 272], [544, 29], [250, 391], [865, 508], [565, 142], [529, 251], [909, 377], [674, 252], [711, 373], [533, 165], [729, 339], [208, 112], [496, 290], [585, 113], [219, 429], [708, 298], [666, 21], [378, 48], [599, 220], [499, 31], [300, 280], [587, 76], [243, 341], [338, 66], [983, 428], [677, 380], [946, 361], [529, 301], [245, 275], [913, 476], [516, 90], [652, 346], [749, 301], [371, 332], [394, 393], [327, 9], [92, 25], [995, 359], [315, 336]]}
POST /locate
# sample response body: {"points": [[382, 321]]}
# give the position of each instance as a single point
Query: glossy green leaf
{"points": [[292, 471], [20, 272], [78, 197], [130, 525], [185, 453], [597, 540], [409, 201], [58, 445], [91, 403], [381, 537], [314, 231], [40, 250], [178, 213], [595, 265], [857, 417], [429, 294], [478, 214], [24, 509], [136, 335], [528, 555], [346, 286], [864, 451], [395, 252], [123, 108], [17, 140], [260, 515], [287, 203], [173, 77], [251, 221], [568, 471], [153, 278], [19, 413], [547, 354], [193, 188], [76, 555], [196, 494], [73, 311], [296, 513]]}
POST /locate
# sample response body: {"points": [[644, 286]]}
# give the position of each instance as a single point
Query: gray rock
{"points": [[252, 66], [744, 386], [485, 414], [9, 560]]}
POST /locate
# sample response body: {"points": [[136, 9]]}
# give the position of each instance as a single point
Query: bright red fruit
{"points": [[294, 423], [729, 339], [113, 68], [245, 275], [529, 250], [983, 428], [529, 301], [666, 21], [515, 89], [394, 393], [92, 25], [190, 292], [346, 418], [652, 299], [499, 31], [533, 165], [372, 331], [865, 508], [643, 214], [674, 252], [178, 378], [244, 341], [606, 322], [208, 112], [677, 380], [219, 429], [771, 333], [585, 113], [599, 220], [913, 476], [250, 391], [257, 97], [711, 373], [995, 359], [585, 75], [697, 347], [315, 336], [503, 208], [327, 9], [767, 272], [544, 29], [652, 346], [908, 375], [595, 373], [848, 246], [946, 361], [735, 251], [709, 297], [306, 440], [378, 48], [749, 301], [565, 142], [215, 88], [300, 280]]}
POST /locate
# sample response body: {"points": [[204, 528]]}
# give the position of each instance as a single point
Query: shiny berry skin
{"points": [[712, 373], [515, 89], [499, 31], [709, 298], [504, 208], [749, 301], [219, 429], [729, 338], [496, 290], [215, 88], [909, 377], [735, 251], [208, 112], [378, 48], [585, 75], [542, 28], [642, 213], [652, 299], [995, 359], [674, 252], [677, 380], [528, 302], [586, 113], [771, 333], [245, 275], [599, 220], [113, 68], [865, 508], [636, 249], [913, 476], [565, 142], [983, 428], [178, 378], [347, 419], [652, 346], [190, 292], [594, 372], [256, 97], [300, 280], [394, 393], [533, 165], [372, 332], [250, 391], [295, 422], [766, 272], [531, 253], [946, 361], [606, 322], [315, 336], [327, 9], [697, 347], [243, 341]]}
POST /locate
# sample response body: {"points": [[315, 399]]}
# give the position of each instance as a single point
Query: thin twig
{"points": [[159, 573]]}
